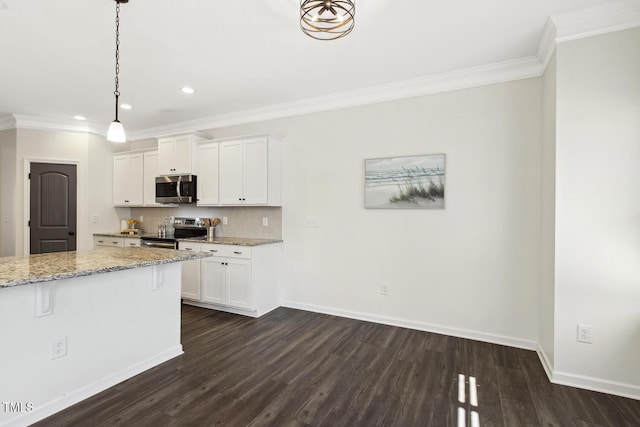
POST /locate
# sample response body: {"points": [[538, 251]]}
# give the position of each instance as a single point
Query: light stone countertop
{"points": [[22, 270], [238, 241], [130, 236]]}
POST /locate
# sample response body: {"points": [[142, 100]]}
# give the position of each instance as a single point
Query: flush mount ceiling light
{"points": [[327, 19], [126, 106], [188, 90], [116, 130]]}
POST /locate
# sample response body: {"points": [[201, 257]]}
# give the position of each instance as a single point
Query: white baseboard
{"points": [[546, 363], [597, 384], [78, 395], [420, 326]]}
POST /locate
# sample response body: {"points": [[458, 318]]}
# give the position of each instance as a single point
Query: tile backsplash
{"points": [[242, 221]]}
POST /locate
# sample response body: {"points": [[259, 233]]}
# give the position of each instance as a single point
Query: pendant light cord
{"points": [[117, 91]]}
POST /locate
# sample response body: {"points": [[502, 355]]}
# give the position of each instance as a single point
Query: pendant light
{"points": [[327, 19], [116, 130]]}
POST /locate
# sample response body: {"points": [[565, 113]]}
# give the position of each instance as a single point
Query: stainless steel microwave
{"points": [[176, 189]]}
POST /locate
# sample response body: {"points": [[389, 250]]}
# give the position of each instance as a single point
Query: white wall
{"points": [[7, 192], [548, 214], [473, 266], [598, 208]]}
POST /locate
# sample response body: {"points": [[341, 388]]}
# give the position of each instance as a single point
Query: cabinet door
{"points": [[166, 151], [238, 280], [231, 174], [207, 171], [149, 180], [212, 276], [255, 172], [191, 280], [120, 180], [136, 177], [183, 155]]}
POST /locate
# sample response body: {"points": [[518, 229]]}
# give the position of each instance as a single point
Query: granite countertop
{"points": [[22, 270], [131, 236], [239, 241]]}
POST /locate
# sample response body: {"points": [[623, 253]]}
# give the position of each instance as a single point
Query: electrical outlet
{"points": [[58, 348], [584, 333], [225, 220], [141, 218], [95, 219], [384, 288], [265, 221]]}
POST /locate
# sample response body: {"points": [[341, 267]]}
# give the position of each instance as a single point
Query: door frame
{"points": [[26, 238]]}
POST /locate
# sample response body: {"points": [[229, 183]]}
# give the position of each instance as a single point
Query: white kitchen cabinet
{"points": [[190, 273], [149, 181], [213, 276], [238, 279], [128, 177], [118, 242], [251, 171], [227, 280], [176, 154], [207, 171]]}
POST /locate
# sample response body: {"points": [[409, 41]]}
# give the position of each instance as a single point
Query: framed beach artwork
{"points": [[411, 182]]}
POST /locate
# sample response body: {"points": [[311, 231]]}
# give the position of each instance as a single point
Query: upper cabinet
{"points": [[207, 171], [128, 180], [250, 171], [176, 154]]}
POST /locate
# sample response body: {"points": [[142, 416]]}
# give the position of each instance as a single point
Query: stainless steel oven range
{"points": [[183, 228]]}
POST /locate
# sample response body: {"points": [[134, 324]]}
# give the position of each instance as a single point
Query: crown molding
{"points": [[22, 121], [7, 122], [472, 77], [593, 21]]}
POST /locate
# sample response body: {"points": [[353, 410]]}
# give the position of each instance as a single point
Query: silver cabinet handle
{"points": [[237, 253], [115, 243], [213, 250], [100, 241], [188, 249]]}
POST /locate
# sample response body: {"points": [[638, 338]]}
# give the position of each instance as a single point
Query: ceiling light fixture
{"points": [[116, 130], [79, 117], [126, 106], [327, 19], [188, 90]]}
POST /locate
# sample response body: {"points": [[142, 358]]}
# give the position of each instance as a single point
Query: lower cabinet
{"points": [[237, 279], [119, 242]]}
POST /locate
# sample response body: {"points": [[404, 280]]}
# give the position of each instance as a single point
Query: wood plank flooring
{"points": [[293, 368]]}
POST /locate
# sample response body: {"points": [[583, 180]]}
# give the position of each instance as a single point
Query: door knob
{"points": [[72, 233]]}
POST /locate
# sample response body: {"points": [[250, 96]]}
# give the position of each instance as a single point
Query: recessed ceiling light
{"points": [[126, 106], [79, 117], [188, 90]]}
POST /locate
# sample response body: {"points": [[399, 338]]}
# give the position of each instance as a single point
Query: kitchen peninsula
{"points": [[76, 323]]}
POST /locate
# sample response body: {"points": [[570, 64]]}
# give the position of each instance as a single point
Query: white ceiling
{"points": [[58, 57]]}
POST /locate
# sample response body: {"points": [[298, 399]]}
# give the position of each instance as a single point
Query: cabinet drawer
{"points": [[227, 251], [131, 243], [189, 246], [108, 241]]}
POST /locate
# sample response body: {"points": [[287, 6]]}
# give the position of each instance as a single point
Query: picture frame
{"points": [[405, 182]]}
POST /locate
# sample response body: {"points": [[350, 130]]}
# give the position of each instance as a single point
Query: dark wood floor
{"points": [[295, 368]]}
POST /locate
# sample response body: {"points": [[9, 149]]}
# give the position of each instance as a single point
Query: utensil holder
{"points": [[211, 233]]}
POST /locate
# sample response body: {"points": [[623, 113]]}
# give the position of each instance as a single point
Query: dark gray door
{"points": [[53, 208]]}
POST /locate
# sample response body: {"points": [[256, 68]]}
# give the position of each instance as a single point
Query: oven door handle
{"points": [[178, 189]]}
